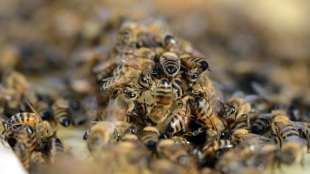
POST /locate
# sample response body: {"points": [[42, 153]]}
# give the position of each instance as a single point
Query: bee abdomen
{"points": [[170, 63], [260, 125], [177, 124], [150, 136], [61, 112]]}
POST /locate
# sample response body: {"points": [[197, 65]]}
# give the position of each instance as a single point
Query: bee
{"points": [[145, 81], [129, 137], [104, 69], [194, 66], [131, 96], [131, 151], [23, 118], [170, 63], [291, 153], [54, 148], [44, 129], [204, 113], [212, 151], [243, 137], [61, 112], [99, 136], [125, 73], [26, 142], [235, 161], [150, 136], [204, 87], [163, 96], [180, 118], [146, 39], [304, 129], [261, 123], [170, 42], [179, 87], [16, 81], [283, 128], [106, 83], [176, 152], [236, 108], [215, 146], [299, 110], [122, 128]]}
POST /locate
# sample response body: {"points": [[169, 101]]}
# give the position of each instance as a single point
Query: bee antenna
{"points": [[30, 106]]}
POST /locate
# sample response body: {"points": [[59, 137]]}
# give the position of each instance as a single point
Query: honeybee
{"points": [[150, 136], [13, 93], [104, 69], [215, 146], [236, 108], [204, 113], [23, 118], [131, 151], [176, 152], [212, 151], [26, 142], [299, 109], [179, 119], [146, 39], [163, 96], [304, 129], [235, 161], [16, 81], [130, 70], [99, 136], [129, 137], [170, 63], [61, 112], [291, 153], [205, 88], [194, 66], [179, 87], [145, 81], [122, 128], [51, 147], [243, 137], [261, 123], [284, 129], [170, 42]]}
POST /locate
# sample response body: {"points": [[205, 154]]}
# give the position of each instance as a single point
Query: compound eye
{"points": [[194, 76], [143, 78], [204, 65], [129, 93]]}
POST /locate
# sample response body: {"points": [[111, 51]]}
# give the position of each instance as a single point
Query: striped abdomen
{"points": [[170, 63], [260, 125], [61, 112], [23, 118], [150, 136], [216, 146], [163, 92]]}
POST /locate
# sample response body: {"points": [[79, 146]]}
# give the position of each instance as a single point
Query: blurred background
{"points": [[266, 42]]}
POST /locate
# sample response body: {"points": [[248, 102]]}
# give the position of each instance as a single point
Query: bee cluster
{"points": [[172, 107], [149, 106]]}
